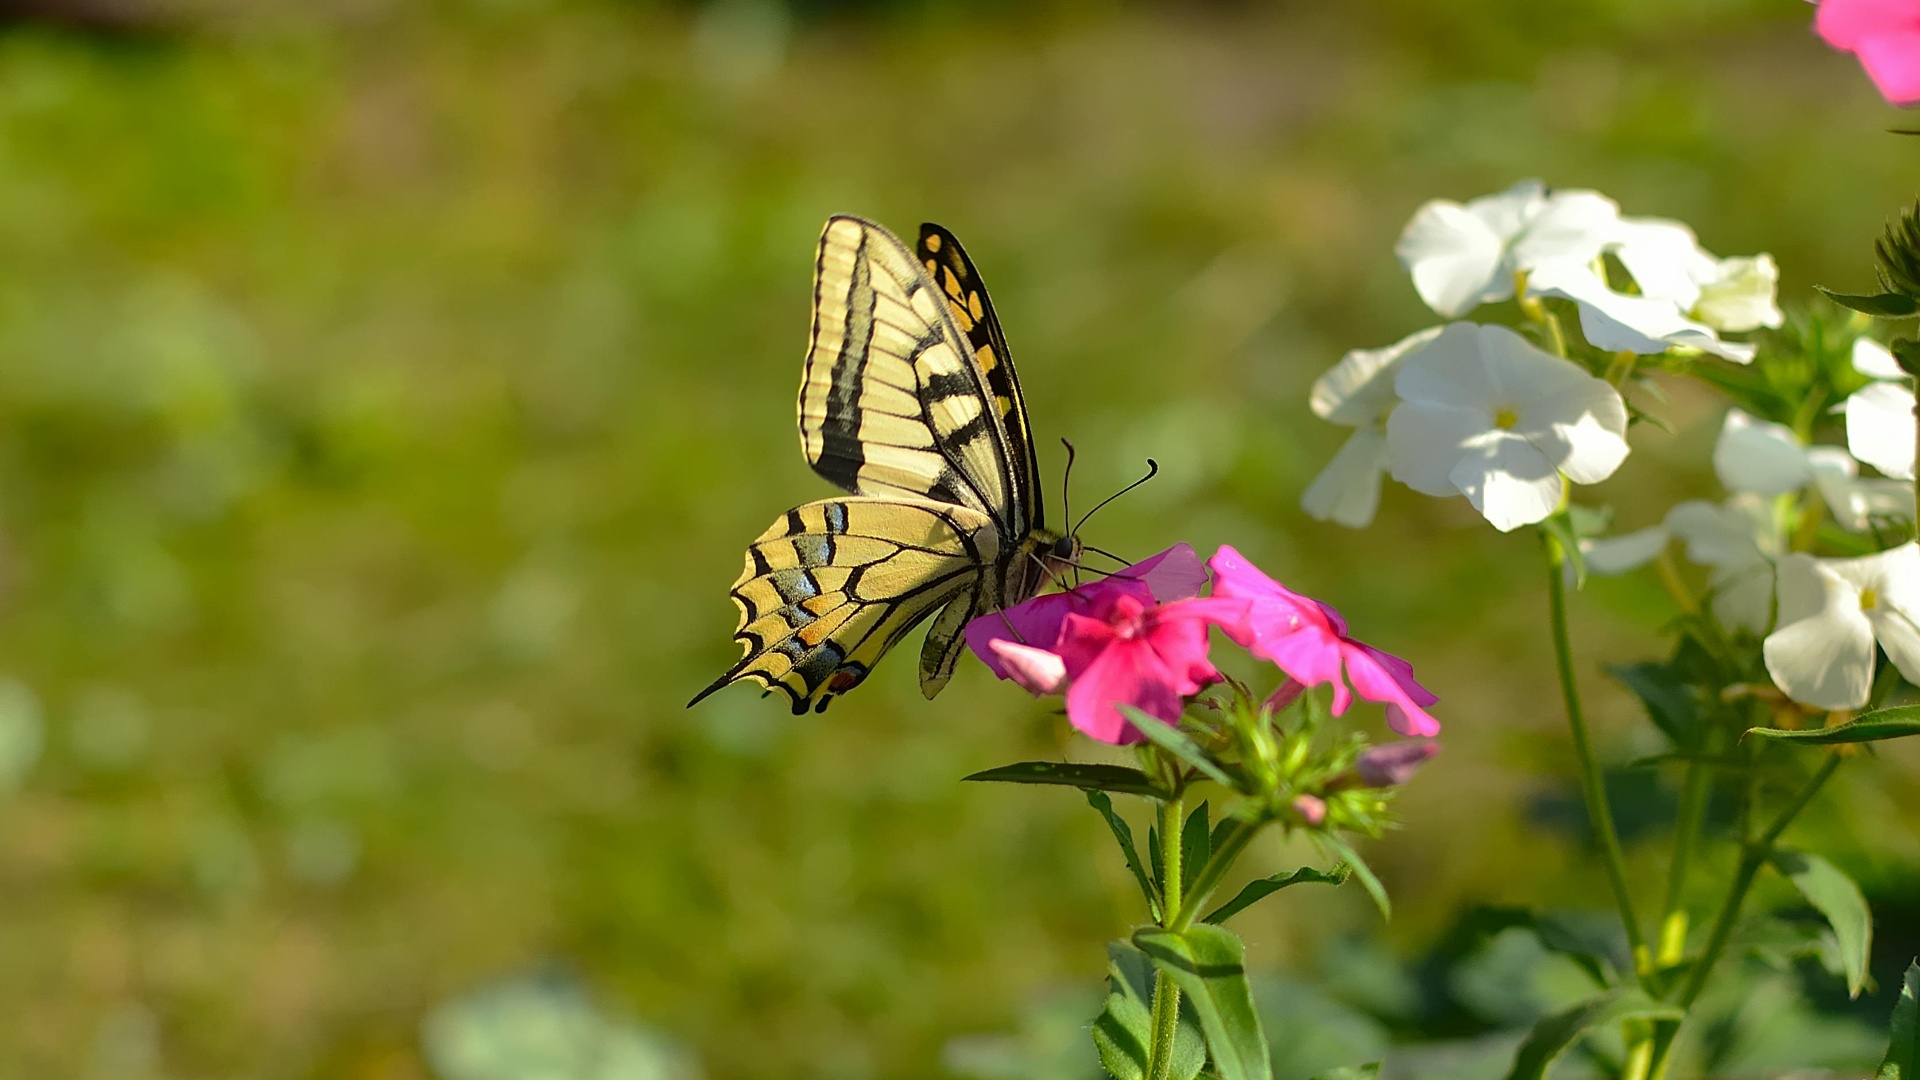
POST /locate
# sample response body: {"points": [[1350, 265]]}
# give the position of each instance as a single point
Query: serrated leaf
{"points": [[1361, 871], [1123, 1033], [1557, 1031], [1209, 965], [1175, 742], [1838, 899], [1903, 1051], [1086, 776], [1896, 723], [1255, 891], [1123, 835], [1879, 305]]}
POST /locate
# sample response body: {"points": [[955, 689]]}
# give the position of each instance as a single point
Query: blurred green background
{"points": [[387, 391]]}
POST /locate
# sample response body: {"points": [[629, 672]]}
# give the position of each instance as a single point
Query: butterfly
{"points": [[908, 402]]}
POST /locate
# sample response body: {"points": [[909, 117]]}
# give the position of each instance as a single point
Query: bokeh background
{"points": [[387, 391]]}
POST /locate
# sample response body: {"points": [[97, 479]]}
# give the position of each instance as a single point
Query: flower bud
{"points": [[1311, 808], [1393, 764], [1036, 671]]}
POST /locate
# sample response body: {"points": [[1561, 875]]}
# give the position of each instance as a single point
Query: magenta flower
{"points": [[1392, 764], [1884, 35], [1308, 640], [1137, 638]]}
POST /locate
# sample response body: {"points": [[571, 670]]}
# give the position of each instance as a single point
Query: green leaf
{"points": [[1665, 691], [1837, 898], [1556, 933], [1360, 870], [1256, 891], [1880, 305], [1124, 1031], [1196, 843], [1123, 835], [1352, 1072], [1903, 1053], [1175, 742], [1906, 352], [1557, 1031], [1895, 723], [1086, 776], [1209, 966]]}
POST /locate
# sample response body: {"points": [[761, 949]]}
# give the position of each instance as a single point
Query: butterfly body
{"points": [[909, 402]]}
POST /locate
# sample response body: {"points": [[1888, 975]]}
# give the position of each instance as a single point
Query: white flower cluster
{"points": [[1477, 410], [1821, 617]]}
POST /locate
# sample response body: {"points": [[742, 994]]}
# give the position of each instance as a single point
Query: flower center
{"points": [[1505, 418], [1869, 599]]}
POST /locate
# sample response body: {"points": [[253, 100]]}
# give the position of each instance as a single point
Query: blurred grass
{"points": [[386, 393]]}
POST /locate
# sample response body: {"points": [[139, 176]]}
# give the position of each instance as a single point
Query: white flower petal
{"points": [[1424, 442], [1880, 428], [1571, 225], [1759, 456], [1743, 598], [1822, 654], [1664, 258], [1579, 422], [1618, 322], [1508, 212], [1508, 481], [1619, 554], [1358, 391], [1734, 535], [1872, 359], [1450, 370], [1855, 503], [1347, 491], [1456, 261], [1897, 604], [1738, 294]]}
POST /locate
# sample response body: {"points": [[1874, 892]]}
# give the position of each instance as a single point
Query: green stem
{"points": [[1216, 867], [1166, 994], [1591, 781], [1694, 792], [1755, 853]]}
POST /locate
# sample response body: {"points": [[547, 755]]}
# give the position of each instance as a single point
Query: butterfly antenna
{"points": [[1104, 551], [1066, 497], [1153, 469]]}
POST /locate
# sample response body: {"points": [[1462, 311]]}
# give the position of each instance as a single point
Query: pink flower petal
{"points": [[1846, 24], [1036, 671], [1892, 61], [1120, 675], [1393, 764], [1174, 574], [1375, 683]]}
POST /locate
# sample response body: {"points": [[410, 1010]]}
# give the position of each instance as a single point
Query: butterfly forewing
{"points": [[953, 273], [892, 401]]}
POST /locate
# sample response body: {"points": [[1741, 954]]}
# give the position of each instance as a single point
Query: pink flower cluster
{"points": [[1139, 638], [1884, 35]]}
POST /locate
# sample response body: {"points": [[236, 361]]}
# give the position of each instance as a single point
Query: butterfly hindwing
{"points": [[893, 400], [832, 585]]}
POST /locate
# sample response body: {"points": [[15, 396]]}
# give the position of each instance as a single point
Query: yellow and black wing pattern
{"points": [[909, 402]]}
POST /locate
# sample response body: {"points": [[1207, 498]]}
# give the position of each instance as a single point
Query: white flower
{"points": [[1875, 361], [1764, 458], [1738, 540], [1619, 322], [1759, 456], [1880, 424], [1739, 294], [1464, 256], [1489, 416], [1358, 393], [1832, 611]]}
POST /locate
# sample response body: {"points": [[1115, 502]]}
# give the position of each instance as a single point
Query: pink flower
{"points": [[1174, 574], [1884, 35], [1137, 638], [1308, 640], [1393, 764]]}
